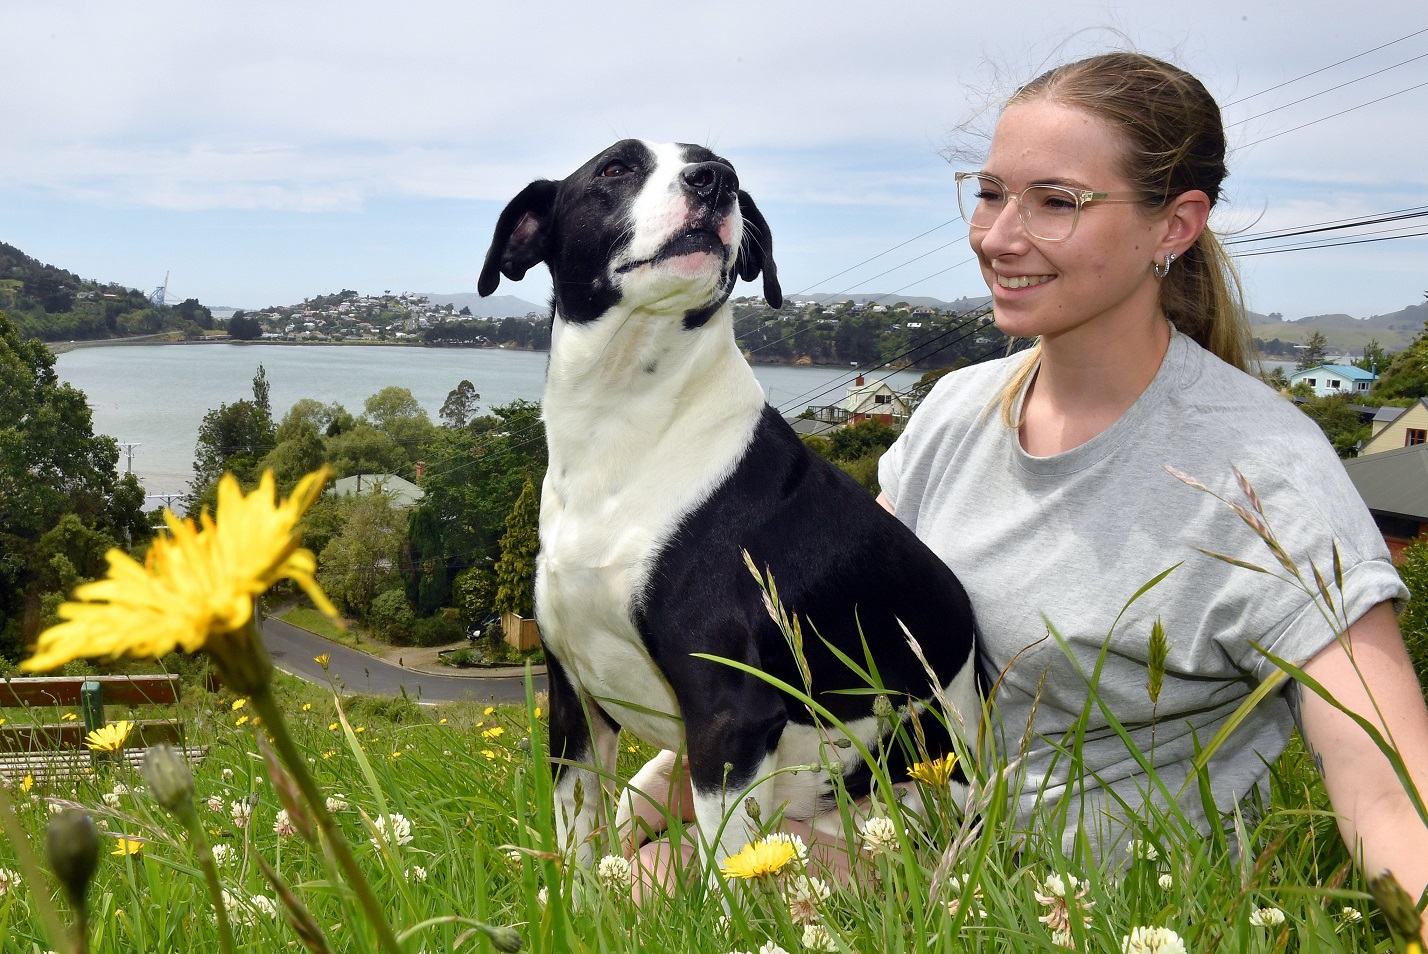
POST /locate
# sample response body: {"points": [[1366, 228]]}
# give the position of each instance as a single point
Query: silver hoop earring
{"points": [[1162, 270]]}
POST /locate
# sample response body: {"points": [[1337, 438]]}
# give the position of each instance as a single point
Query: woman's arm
{"points": [[1376, 817]]}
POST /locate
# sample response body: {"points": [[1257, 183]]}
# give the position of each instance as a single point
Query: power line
{"points": [[1331, 89], [1334, 244], [1324, 68], [1341, 112]]}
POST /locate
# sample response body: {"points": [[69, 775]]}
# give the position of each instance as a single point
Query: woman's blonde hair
{"points": [[1175, 142]]}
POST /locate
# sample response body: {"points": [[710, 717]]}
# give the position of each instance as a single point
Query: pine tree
{"points": [[515, 570]]}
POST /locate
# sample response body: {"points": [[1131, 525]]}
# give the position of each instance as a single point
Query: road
{"points": [[294, 650]]}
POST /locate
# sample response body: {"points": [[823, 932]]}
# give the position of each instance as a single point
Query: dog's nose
{"points": [[710, 180]]}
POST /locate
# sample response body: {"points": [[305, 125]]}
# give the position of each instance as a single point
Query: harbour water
{"points": [[155, 396]]}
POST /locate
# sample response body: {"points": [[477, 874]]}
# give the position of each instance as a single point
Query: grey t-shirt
{"points": [[1069, 540]]}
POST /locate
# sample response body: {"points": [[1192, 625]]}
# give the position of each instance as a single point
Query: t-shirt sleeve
{"points": [[890, 470]]}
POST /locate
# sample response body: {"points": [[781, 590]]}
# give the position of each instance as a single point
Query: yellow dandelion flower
{"points": [[198, 583], [239, 703], [127, 846], [328, 754], [360, 728], [490, 755], [489, 710], [323, 660], [68, 717], [307, 707], [442, 721], [2, 721], [332, 727], [242, 720], [397, 754], [28, 783], [760, 859], [537, 712], [935, 773], [109, 738]]}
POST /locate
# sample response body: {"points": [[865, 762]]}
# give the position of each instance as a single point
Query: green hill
{"points": [[1347, 334], [53, 304]]}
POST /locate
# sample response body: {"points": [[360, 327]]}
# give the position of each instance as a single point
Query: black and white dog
{"points": [[665, 466]]}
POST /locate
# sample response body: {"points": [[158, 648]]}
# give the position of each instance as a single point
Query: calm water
{"points": [[156, 395]]}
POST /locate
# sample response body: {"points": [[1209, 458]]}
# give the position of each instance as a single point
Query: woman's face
{"points": [[1098, 279]]}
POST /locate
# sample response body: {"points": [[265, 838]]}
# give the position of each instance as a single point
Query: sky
{"points": [[262, 153]]}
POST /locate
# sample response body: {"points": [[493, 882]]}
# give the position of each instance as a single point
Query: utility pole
{"points": [[129, 456]]}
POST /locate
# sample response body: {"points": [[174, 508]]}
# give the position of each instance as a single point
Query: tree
{"points": [[233, 437], [1339, 422], [397, 413], [365, 556], [1316, 349], [243, 328], [62, 499], [1374, 358], [460, 405], [515, 570]]}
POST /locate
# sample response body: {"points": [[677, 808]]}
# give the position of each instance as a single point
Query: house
{"points": [[866, 401], [1395, 427], [403, 493], [1394, 485], [1327, 380]]}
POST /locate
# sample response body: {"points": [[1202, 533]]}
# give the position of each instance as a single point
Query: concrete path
{"points": [[293, 651]]}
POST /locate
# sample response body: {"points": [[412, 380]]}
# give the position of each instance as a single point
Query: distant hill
{"points": [[1394, 331], [497, 306], [832, 298]]}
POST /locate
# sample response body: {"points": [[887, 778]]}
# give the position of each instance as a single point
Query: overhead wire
{"points": [[1322, 69]]}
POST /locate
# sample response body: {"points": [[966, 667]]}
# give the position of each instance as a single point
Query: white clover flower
{"points": [[417, 874], [264, 905], [393, 829], [1143, 850], [215, 803], [120, 789], [817, 938], [543, 897], [1061, 895], [283, 824], [615, 872], [55, 808], [1267, 917], [242, 813], [223, 855], [228, 775], [1152, 940], [336, 803], [1063, 938], [111, 799], [239, 912], [800, 850], [9, 879], [879, 834], [804, 893], [1166, 882], [954, 884], [770, 947], [1350, 915]]}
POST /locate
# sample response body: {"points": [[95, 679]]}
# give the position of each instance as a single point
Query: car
{"points": [[489, 627]]}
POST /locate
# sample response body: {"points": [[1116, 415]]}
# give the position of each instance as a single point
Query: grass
{"points": [[478, 803], [314, 621]]}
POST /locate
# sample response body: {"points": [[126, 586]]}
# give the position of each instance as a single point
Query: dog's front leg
{"points": [[583, 752], [732, 755]]}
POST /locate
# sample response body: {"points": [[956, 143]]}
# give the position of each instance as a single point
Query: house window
{"points": [[1312, 382], [1362, 386], [1414, 436], [882, 398], [1335, 384]]}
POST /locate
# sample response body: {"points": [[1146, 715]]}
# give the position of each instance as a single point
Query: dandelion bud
{"points": [[72, 842], [883, 708], [751, 808], [506, 939], [1397, 906], [168, 777]]}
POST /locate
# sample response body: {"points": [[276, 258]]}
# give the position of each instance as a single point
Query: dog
{"points": [[666, 466]]}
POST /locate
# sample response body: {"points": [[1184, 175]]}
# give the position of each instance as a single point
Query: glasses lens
{"points": [[1049, 212], [980, 199]]}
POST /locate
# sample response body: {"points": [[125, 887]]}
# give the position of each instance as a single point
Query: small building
{"points": [[403, 493], [1327, 380], [1395, 427], [866, 401], [1394, 485]]}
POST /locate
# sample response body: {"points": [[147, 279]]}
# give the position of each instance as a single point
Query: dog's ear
{"points": [[756, 251], [522, 236]]}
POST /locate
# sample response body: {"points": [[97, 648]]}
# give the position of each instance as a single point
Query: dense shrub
{"points": [[390, 617], [439, 630]]}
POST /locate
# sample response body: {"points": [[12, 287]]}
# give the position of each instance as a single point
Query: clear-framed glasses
{"points": [[1047, 212]]}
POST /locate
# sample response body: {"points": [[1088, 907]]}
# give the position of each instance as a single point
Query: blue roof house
{"points": [[1330, 379]]}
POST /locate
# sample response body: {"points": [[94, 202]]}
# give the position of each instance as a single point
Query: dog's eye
{"points": [[614, 170]]}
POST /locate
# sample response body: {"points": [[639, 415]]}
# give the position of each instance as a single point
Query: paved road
{"points": [[293, 650]]}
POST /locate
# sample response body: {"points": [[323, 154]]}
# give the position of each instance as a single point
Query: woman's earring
{"points": [[1162, 270]]}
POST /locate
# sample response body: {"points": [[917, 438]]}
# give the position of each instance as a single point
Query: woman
{"points": [[1053, 482]]}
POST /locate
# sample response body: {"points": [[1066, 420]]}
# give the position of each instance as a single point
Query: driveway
{"points": [[294, 650]]}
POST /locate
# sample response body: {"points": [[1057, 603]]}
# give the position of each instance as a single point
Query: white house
{"points": [[1330, 379]]}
